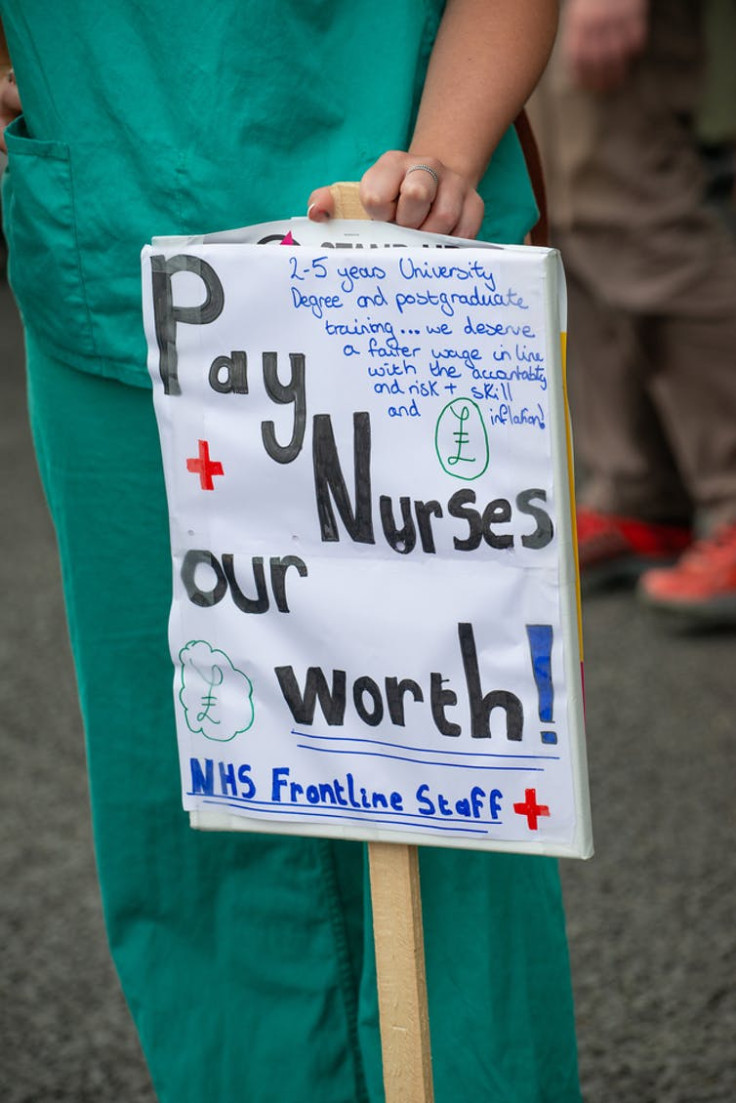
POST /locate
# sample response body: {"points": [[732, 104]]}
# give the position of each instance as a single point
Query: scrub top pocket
{"points": [[44, 267]]}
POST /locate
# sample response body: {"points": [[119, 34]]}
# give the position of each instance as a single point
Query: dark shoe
{"points": [[615, 550], [701, 587]]}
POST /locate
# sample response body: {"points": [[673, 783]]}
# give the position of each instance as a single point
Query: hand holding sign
{"points": [[418, 192]]}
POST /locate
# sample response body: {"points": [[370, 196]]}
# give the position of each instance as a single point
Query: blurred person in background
{"points": [[717, 110], [651, 272]]}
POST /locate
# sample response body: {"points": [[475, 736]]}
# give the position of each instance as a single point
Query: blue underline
{"points": [[439, 826], [272, 806], [425, 750], [419, 761]]}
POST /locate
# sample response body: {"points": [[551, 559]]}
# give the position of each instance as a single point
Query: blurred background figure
{"points": [[716, 121], [651, 268]]}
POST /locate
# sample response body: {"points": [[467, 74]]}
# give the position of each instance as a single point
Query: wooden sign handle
{"points": [[397, 916], [346, 195], [402, 985]]}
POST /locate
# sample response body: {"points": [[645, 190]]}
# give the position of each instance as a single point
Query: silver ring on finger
{"points": [[424, 168]]}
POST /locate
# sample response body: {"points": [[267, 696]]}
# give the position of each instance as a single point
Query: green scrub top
{"points": [[162, 118]]}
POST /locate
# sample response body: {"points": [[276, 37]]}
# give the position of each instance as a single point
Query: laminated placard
{"points": [[375, 627]]}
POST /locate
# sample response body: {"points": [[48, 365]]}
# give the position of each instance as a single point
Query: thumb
{"points": [[321, 205]]}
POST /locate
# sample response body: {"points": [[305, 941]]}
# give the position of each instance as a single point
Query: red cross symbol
{"points": [[205, 467], [531, 809]]}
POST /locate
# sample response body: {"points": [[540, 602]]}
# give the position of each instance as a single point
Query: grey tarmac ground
{"points": [[651, 917]]}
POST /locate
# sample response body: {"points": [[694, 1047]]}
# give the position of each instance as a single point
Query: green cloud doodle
{"points": [[217, 698]]}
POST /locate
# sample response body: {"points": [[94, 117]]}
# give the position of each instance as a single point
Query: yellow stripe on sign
{"points": [[571, 478]]}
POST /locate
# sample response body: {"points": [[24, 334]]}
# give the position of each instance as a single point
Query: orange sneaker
{"points": [[613, 550], [702, 585]]}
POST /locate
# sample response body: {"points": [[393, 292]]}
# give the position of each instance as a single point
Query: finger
{"points": [[447, 209], [321, 206], [604, 77], [604, 64], [13, 98], [471, 218], [381, 185], [637, 35], [10, 106], [9, 95], [420, 189]]}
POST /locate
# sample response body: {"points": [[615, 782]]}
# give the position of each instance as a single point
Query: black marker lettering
{"points": [[481, 706], [166, 315], [284, 393], [203, 598], [235, 380], [329, 482], [544, 531]]}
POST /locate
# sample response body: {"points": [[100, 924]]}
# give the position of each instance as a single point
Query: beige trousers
{"points": [[652, 283]]}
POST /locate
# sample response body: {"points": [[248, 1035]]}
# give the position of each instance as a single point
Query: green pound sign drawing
{"points": [[461, 440]]}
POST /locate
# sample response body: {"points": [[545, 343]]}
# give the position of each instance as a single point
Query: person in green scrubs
{"points": [[247, 960]]}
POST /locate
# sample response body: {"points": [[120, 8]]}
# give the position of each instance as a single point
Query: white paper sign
{"points": [[375, 627]]}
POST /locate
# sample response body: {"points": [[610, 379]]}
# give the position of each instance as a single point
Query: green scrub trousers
{"points": [[247, 960]]}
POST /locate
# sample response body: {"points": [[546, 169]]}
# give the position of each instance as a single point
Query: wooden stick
{"points": [[397, 917], [347, 200], [402, 987]]}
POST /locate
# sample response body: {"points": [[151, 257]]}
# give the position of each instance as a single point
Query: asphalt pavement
{"points": [[651, 916]]}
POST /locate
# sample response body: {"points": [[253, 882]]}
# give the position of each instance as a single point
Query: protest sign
{"points": [[375, 627]]}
